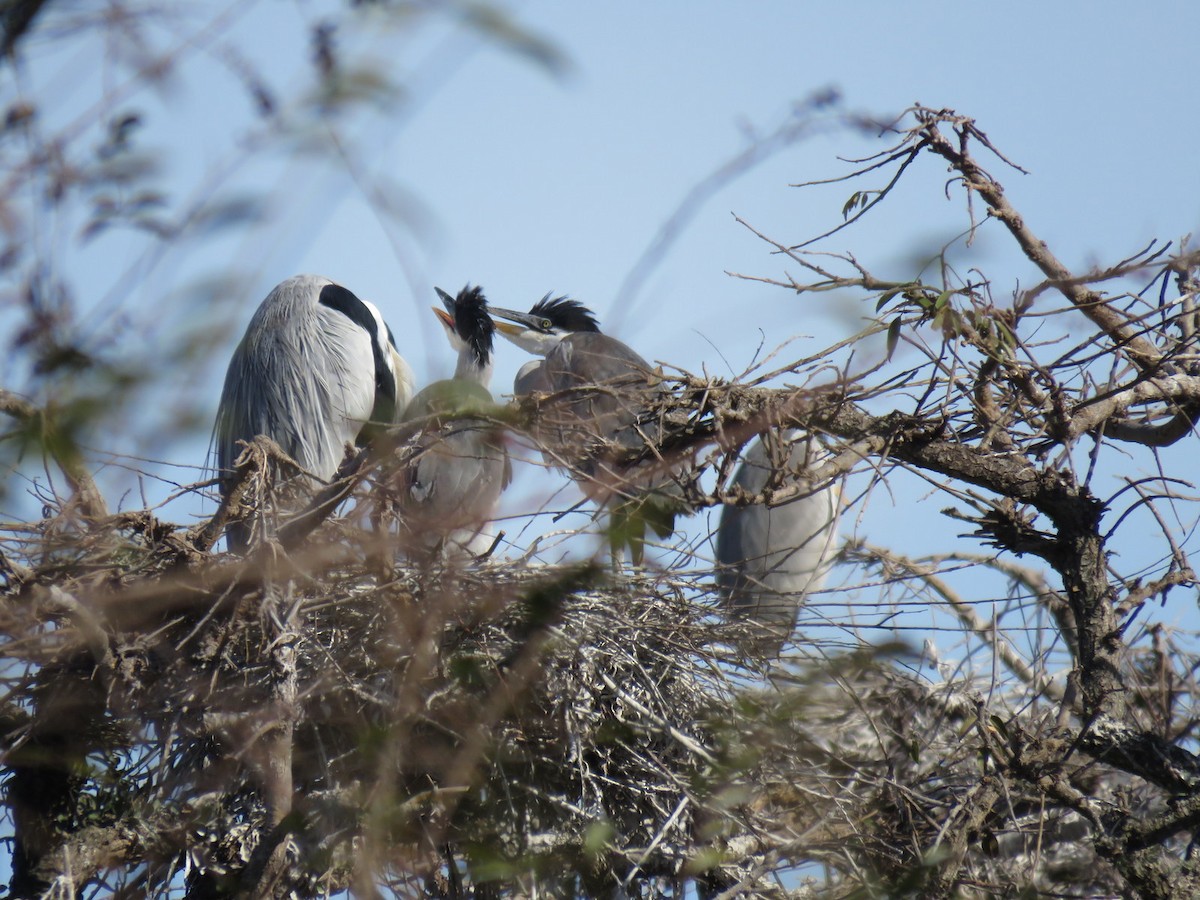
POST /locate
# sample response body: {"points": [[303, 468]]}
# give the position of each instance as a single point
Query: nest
{"points": [[299, 725], [443, 724]]}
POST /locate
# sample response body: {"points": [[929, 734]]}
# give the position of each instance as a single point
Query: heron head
{"points": [[546, 323], [468, 326]]}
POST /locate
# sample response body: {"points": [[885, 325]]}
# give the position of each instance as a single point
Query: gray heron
{"points": [[600, 420], [459, 467], [771, 557], [316, 369]]}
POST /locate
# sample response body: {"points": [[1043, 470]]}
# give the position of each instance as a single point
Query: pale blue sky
{"points": [[527, 182], [531, 183]]}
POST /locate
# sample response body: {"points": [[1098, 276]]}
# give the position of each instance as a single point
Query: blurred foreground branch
{"points": [[327, 715]]}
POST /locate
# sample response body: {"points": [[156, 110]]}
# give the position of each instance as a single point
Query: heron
{"points": [[316, 370], [771, 557], [459, 466], [600, 415]]}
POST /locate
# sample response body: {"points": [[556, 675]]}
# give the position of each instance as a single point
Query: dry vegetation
{"points": [[326, 716]]}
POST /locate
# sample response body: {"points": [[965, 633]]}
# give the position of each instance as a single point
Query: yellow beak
{"points": [[508, 327]]}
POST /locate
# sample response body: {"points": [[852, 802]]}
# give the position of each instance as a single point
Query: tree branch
{"points": [[87, 496], [1092, 304]]}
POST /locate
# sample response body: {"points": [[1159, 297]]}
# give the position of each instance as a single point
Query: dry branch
{"points": [[325, 715]]}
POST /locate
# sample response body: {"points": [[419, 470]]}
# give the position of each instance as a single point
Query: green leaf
{"points": [[887, 296], [1006, 341], [703, 861], [990, 843], [1000, 726], [949, 321], [596, 839], [893, 336], [850, 204]]}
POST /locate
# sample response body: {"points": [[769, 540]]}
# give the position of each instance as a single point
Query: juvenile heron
{"points": [[770, 558], [601, 413], [316, 367], [450, 488]]}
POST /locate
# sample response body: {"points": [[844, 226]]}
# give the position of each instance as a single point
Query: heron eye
{"points": [[545, 324]]}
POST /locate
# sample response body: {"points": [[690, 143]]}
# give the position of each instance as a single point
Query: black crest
{"points": [[566, 314], [472, 322]]}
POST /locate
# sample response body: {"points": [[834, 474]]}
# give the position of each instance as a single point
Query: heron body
{"points": [[605, 392], [459, 467], [770, 558], [599, 419], [315, 370]]}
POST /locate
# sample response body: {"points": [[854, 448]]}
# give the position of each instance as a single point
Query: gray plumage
{"points": [[449, 490], [604, 393], [599, 418], [770, 558], [316, 365], [605, 412]]}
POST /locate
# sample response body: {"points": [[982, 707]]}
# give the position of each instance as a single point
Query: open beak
{"points": [[447, 301], [524, 321], [508, 328], [447, 319]]}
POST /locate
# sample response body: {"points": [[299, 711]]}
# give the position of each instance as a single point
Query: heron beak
{"points": [[447, 319], [524, 321], [508, 328], [447, 301]]}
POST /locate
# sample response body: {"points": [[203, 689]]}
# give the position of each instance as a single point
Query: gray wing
{"points": [[303, 375], [606, 408], [770, 558], [532, 378]]}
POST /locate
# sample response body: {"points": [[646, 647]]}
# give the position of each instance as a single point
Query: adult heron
{"points": [[316, 369], [770, 558], [600, 420], [453, 481]]}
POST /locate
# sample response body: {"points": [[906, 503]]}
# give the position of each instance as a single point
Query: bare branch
{"points": [[87, 496]]}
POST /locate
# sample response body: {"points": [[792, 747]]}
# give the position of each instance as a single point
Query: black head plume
{"points": [[566, 314], [472, 322]]}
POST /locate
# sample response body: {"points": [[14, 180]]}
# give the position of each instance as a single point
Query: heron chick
{"points": [[600, 419], [449, 489], [315, 371]]}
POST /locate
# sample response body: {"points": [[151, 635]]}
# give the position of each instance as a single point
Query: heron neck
{"points": [[471, 368], [546, 343], [535, 342]]}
